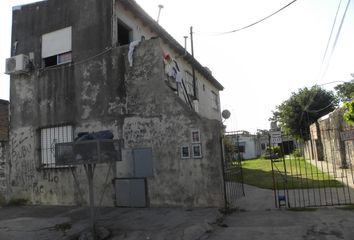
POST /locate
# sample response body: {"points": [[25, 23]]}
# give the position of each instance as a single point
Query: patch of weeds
{"points": [[302, 209], [17, 202], [62, 226], [227, 211], [347, 207]]}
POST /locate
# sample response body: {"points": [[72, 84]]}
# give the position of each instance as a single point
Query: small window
{"points": [[50, 137], [240, 147], [195, 136], [56, 47], [263, 146], [124, 34], [185, 152], [197, 151], [188, 77], [214, 100], [57, 59]]}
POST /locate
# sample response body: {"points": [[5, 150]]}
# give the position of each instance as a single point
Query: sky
{"points": [[260, 66]]}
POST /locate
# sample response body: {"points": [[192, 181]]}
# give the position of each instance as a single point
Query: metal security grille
{"points": [[317, 173], [50, 137]]}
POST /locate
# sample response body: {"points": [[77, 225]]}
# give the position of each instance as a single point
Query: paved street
{"points": [[255, 218]]}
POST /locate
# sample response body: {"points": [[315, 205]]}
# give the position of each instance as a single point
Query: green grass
{"points": [[300, 174], [347, 207]]}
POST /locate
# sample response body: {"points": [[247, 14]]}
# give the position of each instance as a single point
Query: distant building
{"points": [[246, 145], [4, 120], [4, 138], [107, 65]]}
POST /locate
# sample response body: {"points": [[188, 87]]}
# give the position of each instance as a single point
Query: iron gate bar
{"points": [[232, 177], [334, 165], [325, 153], [312, 177]]}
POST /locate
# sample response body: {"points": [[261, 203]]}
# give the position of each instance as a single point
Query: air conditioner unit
{"points": [[17, 64]]}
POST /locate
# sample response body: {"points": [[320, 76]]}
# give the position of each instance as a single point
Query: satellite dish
{"points": [[226, 114]]}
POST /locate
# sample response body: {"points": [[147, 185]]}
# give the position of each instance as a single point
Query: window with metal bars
{"points": [[49, 137]]}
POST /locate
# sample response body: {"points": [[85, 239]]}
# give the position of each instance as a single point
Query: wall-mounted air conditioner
{"points": [[17, 64]]}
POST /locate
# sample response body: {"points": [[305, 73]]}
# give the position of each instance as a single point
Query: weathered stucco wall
{"points": [[326, 144], [159, 119], [104, 93], [137, 106], [204, 87]]}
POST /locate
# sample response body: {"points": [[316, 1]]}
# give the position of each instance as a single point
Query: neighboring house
{"points": [[86, 71], [246, 145], [4, 139]]}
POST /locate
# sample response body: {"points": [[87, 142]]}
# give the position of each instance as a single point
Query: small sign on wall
{"points": [[347, 135]]}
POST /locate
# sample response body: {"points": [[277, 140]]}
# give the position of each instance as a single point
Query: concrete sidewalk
{"points": [[42, 223], [258, 219], [320, 224]]}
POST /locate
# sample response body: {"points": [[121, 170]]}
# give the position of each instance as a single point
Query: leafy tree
{"points": [[345, 91], [303, 108], [349, 114]]}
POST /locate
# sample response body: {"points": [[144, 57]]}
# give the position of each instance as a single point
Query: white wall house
{"points": [[246, 144]]}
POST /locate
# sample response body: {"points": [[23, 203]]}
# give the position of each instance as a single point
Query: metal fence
{"points": [[315, 173]]}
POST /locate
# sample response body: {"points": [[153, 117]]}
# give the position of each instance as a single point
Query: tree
{"points": [[303, 108], [349, 114], [345, 91]]}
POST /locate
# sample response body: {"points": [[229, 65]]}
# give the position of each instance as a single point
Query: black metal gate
{"points": [[313, 174], [233, 177]]}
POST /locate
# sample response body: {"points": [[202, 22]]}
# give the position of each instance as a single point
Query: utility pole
{"points": [[193, 70]]}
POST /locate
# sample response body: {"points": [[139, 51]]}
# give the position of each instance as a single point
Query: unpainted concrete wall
{"points": [[137, 106], [326, 143], [159, 119], [103, 93]]}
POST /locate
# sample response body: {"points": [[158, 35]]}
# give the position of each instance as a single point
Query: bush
{"points": [[18, 202], [296, 153], [273, 152]]}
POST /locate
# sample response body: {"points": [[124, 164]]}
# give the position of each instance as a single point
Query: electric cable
{"points": [[331, 54], [335, 41], [250, 25], [330, 35]]}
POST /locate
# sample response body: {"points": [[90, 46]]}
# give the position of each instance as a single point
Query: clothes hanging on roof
{"points": [[132, 46]]}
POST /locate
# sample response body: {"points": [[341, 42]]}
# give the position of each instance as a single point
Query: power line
{"points": [[331, 54], [330, 35], [252, 24], [335, 40], [319, 110]]}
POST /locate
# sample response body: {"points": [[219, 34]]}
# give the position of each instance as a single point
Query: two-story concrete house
{"points": [[92, 65]]}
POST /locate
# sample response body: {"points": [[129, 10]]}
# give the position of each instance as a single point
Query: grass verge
{"points": [[300, 174]]}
